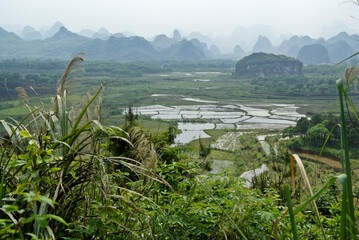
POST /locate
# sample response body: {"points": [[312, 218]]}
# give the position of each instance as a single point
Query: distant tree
{"points": [[302, 125], [316, 135], [295, 143], [130, 119], [316, 119], [289, 132]]}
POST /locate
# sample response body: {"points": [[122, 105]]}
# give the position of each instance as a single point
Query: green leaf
{"points": [[55, 169], [47, 159], [18, 163], [46, 179], [25, 134], [24, 157], [10, 208], [73, 175], [54, 217], [4, 221], [39, 160], [29, 219], [33, 236], [41, 221], [46, 200]]}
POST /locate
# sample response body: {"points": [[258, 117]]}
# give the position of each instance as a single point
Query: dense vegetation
{"points": [[314, 133], [67, 175]]}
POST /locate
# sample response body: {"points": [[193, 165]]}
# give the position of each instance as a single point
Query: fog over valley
{"points": [[179, 119]]}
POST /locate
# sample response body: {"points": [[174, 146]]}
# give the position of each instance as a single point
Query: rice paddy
{"points": [[194, 119]]}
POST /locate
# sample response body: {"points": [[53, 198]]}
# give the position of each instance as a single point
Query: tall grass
{"points": [[348, 222], [52, 164]]}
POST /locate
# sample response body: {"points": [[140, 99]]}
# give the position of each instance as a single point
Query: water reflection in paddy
{"points": [[192, 131], [220, 116]]}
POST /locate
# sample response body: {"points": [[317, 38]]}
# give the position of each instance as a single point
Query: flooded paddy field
{"points": [[193, 120], [234, 119]]}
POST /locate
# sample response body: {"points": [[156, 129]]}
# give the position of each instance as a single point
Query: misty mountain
{"points": [[102, 34], [313, 54], [203, 38], [214, 51], [62, 44], [183, 50], [340, 36], [238, 53], [49, 32], [339, 51], [86, 33], [177, 35], [118, 35], [118, 49], [351, 40], [14, 28], [161, 42], [202, 46], [263, 45], [291, 46], [333, 29], [9, 43], [65, 44], [29, 33], [248, 35]]}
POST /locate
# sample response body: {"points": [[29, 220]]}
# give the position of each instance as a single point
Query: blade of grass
{"points": [[347, 58], [343, 215], [326, 140], [319, 192], [309, 188], [346, 158], [351, 105], [84, 110], [291, 213]]}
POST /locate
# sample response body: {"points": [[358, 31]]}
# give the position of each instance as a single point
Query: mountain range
{"points": [[59, 42]]}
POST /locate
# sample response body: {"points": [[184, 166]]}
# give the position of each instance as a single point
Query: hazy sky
{"points": [[151, 17]]}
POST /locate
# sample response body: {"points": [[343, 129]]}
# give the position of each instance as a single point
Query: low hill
{"points": [[264, 64], [314, 54]]}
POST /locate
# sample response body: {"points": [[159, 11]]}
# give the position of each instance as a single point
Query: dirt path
{"points": [[331, 162]]}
